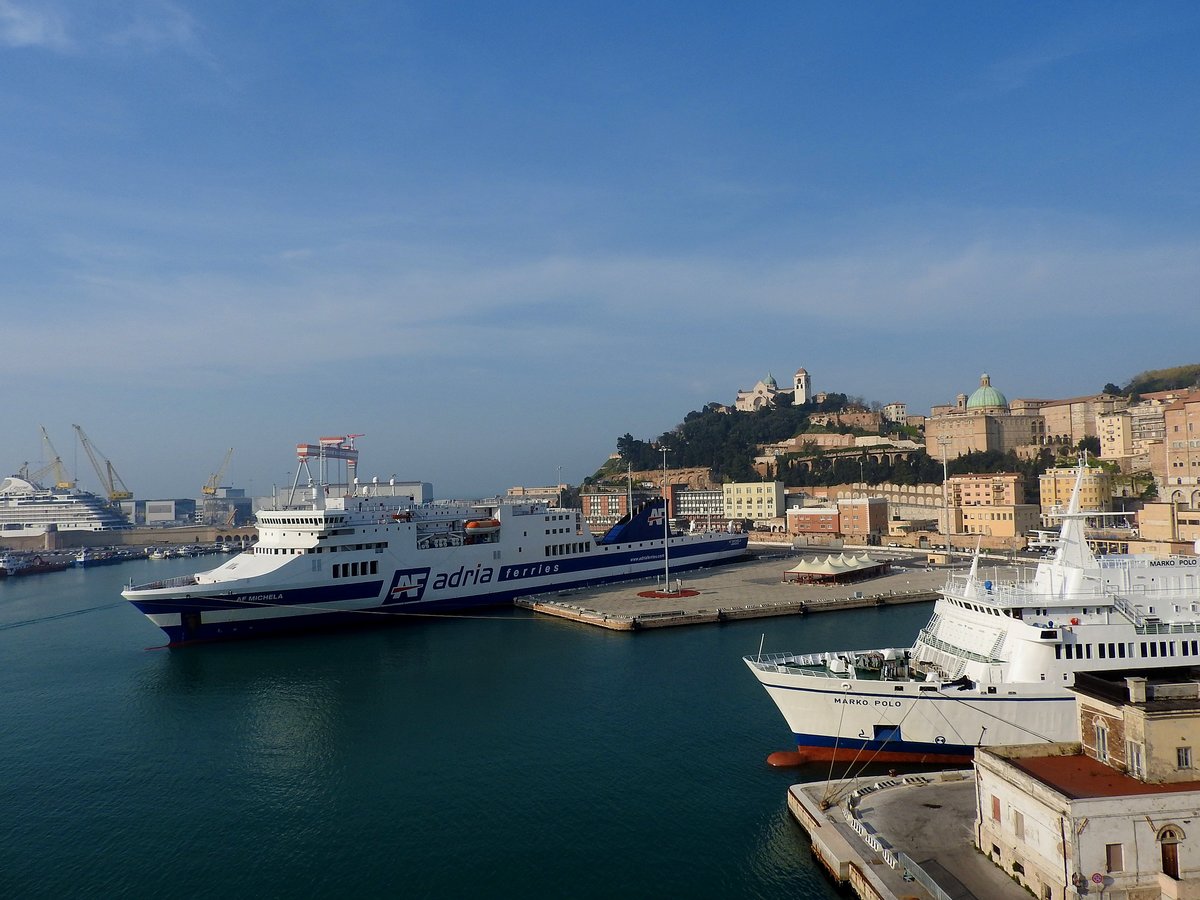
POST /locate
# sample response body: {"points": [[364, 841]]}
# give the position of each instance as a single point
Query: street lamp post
{"points": [[666, 528], [558, 487], [944, 442]]}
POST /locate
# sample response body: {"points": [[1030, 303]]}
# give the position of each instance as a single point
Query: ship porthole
{"points": [[845, 685]]}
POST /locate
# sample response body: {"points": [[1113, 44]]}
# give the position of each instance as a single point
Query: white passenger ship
{"points": [[993, 664], [361, 558], [27, 508]]}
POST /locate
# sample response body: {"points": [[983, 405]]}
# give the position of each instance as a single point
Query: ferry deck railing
{"points": [[179, 581], [925, 637], [1017, 596], [816, 665]]}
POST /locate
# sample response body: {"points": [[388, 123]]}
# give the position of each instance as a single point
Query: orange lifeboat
{"points": [[483, 526]]}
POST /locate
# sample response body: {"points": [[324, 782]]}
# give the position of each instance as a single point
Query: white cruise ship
{"points": [[27, 508], [993, 664]]}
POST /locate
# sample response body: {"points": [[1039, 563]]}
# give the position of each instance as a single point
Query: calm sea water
{"points": [[504, 755]]}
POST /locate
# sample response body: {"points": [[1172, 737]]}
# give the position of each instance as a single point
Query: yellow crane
{"points": [[113, 486], [62, 482], [213, 507], [214, 481]]}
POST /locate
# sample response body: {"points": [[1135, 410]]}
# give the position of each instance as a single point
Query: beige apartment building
{"points": [[1134, 438], [990, 504], [1170, 524], [754, 500], [1181, 483], [1095, 493], [1070, 421]]}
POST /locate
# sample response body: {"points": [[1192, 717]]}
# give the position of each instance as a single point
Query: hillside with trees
{"points": [[1172, 379], [726, 444], [721, 441]]}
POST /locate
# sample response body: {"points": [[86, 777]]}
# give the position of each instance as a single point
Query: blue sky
{"points": [[494, 237]]}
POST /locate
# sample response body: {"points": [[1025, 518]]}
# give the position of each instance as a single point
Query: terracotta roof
{"points": [[1079, 776]]}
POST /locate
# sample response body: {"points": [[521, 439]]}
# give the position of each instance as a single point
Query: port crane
{"points": [[111, 482], [214, 480], [340, 447], [212, 506], [62, 482]]}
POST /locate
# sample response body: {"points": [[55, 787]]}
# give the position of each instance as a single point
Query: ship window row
{"points": [[349, 570], [304, 520], [989, 610], [347, 548], [564, 549], [1146, 650]]}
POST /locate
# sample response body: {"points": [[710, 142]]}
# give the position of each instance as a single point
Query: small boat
{"points": [[90, 556], [483, 526], [13, 564]]}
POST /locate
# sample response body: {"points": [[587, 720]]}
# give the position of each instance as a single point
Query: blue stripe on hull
{"points": [[205, 631], [362, 590]]}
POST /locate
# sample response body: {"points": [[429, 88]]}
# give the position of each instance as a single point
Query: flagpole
{"points": [[666, 528]]}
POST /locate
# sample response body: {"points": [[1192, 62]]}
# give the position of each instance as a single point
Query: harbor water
{"points": [[503, 754]]}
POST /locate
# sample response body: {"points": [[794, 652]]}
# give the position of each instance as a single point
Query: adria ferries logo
{"points": [[655, 517], [408, 585]]}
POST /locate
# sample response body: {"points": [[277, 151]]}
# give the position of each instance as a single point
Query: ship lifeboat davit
{"points": [[483, 526]]}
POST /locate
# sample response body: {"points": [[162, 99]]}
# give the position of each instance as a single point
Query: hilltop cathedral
{"points": [[765, 392]]}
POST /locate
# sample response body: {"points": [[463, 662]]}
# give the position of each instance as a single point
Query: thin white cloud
{"points": [[32, 25], [154, 25], [578, 305], [142, 26], [1103, 31]]}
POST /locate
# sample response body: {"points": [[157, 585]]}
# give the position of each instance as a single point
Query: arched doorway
{"points": [[1168, 839]]}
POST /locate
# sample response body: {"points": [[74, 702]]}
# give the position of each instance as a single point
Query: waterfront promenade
{"points": [[752, 589]]}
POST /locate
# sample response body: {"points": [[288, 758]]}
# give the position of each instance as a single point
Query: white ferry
{"points": [[27, 508], [361, 558], [993, 664]]}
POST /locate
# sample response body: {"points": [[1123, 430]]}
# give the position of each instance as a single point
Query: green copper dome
{"points": [[986, 396], [770, 382]]}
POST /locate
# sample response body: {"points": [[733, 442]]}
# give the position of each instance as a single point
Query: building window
{"points": [[1114, 858], [1018, 825], [1183, 757], [995, 808], [1133, 753], [1101, 742]]}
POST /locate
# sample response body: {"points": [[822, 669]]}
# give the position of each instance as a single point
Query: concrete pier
{"points": [[747, 590], [906, 837]]}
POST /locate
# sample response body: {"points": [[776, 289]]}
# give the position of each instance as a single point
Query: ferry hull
{"points": [[816, 748], [191, 616], [858, 720]]}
